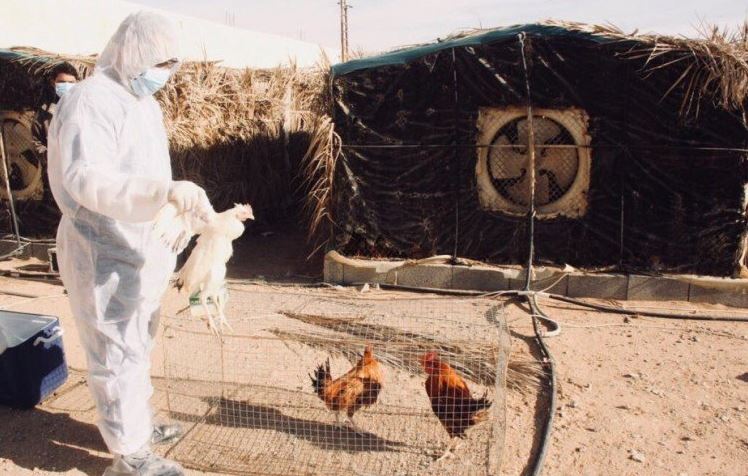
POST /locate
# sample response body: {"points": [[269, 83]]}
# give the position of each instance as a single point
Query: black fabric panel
{"points": [[662, 196]]}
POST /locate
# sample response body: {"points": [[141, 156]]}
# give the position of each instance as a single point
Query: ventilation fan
{"points": [[561, 165], [23, 161]]}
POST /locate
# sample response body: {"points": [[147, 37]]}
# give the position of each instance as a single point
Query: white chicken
{"points": [[205, 269]]}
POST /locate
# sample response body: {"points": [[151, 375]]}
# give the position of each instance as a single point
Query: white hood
{"points": [[143, 40]]}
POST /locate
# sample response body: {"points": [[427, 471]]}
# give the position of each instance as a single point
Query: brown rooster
{"points": [[450, 398], [358, 388]]}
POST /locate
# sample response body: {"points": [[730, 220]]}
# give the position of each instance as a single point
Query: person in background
{"points": [[62, 77], [110, 174]]}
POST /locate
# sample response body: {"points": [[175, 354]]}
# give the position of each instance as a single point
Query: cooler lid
{"points": [[18, 327]]}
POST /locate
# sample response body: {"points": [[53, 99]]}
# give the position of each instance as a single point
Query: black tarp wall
{"points": [[666, 184]]}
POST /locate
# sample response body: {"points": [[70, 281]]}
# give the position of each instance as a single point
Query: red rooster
{"points": [[357, 388], [451, 399]]}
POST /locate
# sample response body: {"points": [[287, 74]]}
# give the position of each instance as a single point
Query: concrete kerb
{"points": [[436, 272]]}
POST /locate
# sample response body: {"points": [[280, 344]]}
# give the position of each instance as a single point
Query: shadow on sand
{"points": [[38, 440], [327, 436]]}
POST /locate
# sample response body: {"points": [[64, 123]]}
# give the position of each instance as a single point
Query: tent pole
{"points": [[456, 180], [531, 164]]}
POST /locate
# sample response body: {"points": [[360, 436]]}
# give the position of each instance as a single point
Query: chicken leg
{"points": [[352, 425], [208, 314], [221, 306], [452, 447], [349, 423]]}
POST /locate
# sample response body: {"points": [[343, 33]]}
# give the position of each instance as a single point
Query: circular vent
{"points": [[561, 166], [555, 169], [24, 163]]}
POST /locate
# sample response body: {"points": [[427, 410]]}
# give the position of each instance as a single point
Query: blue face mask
{"points": [[150, 81], [62, 88]]}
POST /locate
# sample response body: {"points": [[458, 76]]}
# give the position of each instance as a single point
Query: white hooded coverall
{"points": [[110, 173]]}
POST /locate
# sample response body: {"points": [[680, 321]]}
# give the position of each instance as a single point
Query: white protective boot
{"points": [[165, 434], [143, 463]]}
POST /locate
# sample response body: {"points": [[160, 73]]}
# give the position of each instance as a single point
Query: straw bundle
{"points": [[713, 67], [402, 349], [241, 134]]}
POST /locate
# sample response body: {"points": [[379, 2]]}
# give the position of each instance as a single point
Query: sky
{"points": [[378, 25]]}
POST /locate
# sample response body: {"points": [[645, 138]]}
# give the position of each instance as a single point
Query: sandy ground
{"points": [[647, 396], [641, 396]]}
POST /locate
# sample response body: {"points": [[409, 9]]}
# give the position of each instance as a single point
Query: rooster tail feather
{"points": [[321, 378], [479, 408]]}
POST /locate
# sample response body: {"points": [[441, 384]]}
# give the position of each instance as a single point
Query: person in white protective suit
{"points": [[110, 173]]}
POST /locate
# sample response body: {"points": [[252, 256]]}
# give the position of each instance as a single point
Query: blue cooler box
{"points": [[32, 360]]}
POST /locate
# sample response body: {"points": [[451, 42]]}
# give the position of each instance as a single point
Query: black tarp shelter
{"points": [[433, 145]]}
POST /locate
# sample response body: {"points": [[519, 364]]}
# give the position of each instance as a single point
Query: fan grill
{"points": [[556, 161], [24, 164]]}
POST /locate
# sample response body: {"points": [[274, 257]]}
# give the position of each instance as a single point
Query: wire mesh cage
{"points": [[253, 406]]}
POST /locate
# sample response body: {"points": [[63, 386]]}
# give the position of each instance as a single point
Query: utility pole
{"points": [[229, 17], [344, 7]]}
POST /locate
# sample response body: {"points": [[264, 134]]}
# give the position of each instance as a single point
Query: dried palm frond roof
{"points": [[207, 104], [240, 133], [52, 56], [37, 63], [714, 65]]}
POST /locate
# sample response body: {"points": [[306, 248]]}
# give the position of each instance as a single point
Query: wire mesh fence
{"points": [[288, 392]]}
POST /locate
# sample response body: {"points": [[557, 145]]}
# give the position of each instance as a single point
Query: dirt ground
{"points": [[636, 396]]}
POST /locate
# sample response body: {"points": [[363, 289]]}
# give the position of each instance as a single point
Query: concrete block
{"points": [[479, 278], [516, 284], [427, 276], [602, 286], [358, 270], [6, 246], [333, 272], [718, 296], [30, 250], [657, 288], [560, 287], [40, 251], [343, 270], [364, 274]]}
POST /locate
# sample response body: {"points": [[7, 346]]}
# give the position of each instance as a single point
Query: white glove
{"points": [[187, 196], [3, 342]]}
